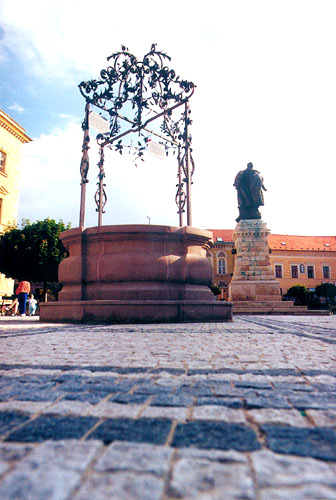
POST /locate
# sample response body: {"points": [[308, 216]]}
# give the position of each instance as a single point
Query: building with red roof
{"points": [[304, 260]]}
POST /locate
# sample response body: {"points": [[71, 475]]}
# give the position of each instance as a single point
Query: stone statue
{"points": [[250, 186]]}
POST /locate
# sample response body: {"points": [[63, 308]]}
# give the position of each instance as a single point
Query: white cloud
{"points": [[17, 107]]}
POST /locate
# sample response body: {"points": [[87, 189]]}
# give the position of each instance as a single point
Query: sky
{"points": [[266, 77]]}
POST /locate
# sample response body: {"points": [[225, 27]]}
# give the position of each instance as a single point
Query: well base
{"points": [[135, 311]]}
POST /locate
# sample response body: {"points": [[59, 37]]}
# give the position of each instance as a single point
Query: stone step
{"points": [[270, 307]]}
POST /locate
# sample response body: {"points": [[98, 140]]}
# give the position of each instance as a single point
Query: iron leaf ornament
{"points": [[142, 97]]}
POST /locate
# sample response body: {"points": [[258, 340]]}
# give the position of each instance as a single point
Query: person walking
{"points": [[22, 292]]}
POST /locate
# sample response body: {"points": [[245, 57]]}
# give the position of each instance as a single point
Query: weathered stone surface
{"points": [[194, 477], [53, 427], [121, 486], [146, 430], [291, 418], [217, 435], [283, 470], [214, 370], [39, 484], [323, 418], [137, 457], [305, 492], [318, 443], [9, 420], [218, 413]]}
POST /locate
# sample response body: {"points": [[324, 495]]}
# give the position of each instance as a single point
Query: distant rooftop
{"points": [[284, 241]]}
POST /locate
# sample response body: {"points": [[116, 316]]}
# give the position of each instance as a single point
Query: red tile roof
{"points": [[285, 241]]}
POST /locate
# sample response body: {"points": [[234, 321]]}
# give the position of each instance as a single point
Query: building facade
{"points": [[296, 260], [12, 139]]}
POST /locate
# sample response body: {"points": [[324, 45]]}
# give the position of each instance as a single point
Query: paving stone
{"points": [[85, 397], [223, 401], [145, 430], [9, 420], [65, 454], [292, 418], [10, 453], [317, 401], [274, 470], [230, 456], [168, 412], [50, 471], [53, 427], [39, 484], [271, 400], [215, 435], [323, 418], [69, 408], [121, 486], [203, 478], [26, 407], [129, 398], [218, 413], [305, 492], [171, 400], [108, 409], [138, 457], [319, 443]]}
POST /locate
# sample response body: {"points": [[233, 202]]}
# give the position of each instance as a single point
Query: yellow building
{"points": [[296, 260], [12, 138]]}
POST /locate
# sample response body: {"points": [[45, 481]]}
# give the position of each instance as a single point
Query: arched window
{"points": [[221, 263]]}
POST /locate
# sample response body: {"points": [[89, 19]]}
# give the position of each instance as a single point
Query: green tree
{"points": [[215, 289], [327, 290], [299, 293], [33, 253]]}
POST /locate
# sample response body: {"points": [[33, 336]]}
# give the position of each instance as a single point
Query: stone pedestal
{"points": [[136, 274], [253, 288], [253, 277]]}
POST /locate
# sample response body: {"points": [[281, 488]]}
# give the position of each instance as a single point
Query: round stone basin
{"points": [[136, 262]]}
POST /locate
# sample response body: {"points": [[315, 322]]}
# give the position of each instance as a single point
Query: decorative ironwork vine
{"points": [[134, 94]]}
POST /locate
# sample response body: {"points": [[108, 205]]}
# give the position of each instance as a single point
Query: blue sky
{"points": [[265, 77]]}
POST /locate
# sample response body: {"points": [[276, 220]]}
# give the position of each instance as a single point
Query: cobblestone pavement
{"points": [[241, 410]]}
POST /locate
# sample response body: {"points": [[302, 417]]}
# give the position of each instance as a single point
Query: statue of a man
{"points": [[250, 186]]}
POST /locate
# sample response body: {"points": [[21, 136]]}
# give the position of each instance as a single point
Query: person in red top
{"points": [[22, 292]]}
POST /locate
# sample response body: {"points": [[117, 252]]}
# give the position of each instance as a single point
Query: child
{"points": [[31, 305]]}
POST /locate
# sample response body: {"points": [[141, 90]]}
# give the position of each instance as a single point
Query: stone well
{"points": [[136, 274]]}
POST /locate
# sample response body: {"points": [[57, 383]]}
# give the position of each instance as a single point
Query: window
{"points": [[302, 268], [294, 272], [221, 265], [326, 272], [310, 271], [278, 271], [2, 161]]}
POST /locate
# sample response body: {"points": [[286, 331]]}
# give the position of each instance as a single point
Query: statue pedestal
{"points": [[254, 289], [253, 277]]}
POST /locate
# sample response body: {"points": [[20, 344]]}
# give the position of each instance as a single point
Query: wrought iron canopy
{"points": [[134, 94]]}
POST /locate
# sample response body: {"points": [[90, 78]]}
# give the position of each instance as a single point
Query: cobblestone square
{"points": [[213, 411]]}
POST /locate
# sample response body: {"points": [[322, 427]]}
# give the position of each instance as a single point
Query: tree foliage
{"points": [[299, 293], [215, 289], [327, 290], [33, 253]]}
